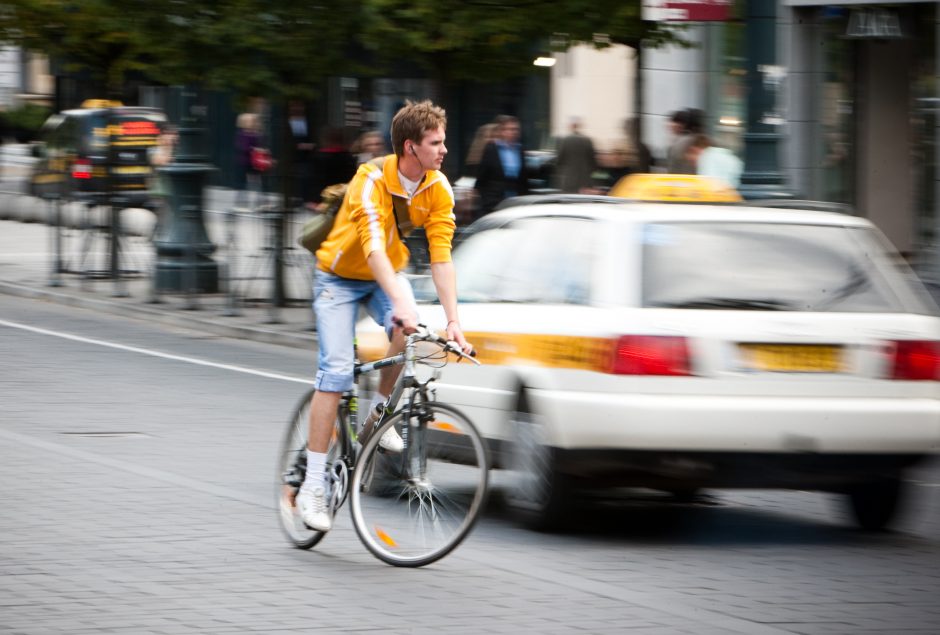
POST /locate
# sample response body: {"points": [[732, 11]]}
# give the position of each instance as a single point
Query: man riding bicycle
{"points": [[360, 263]]}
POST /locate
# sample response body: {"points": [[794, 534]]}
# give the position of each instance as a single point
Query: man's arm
{"points": [[445, 281], [384, 274]]}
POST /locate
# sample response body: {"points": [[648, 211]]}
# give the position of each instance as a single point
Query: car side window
{"points": [[544, 260]]}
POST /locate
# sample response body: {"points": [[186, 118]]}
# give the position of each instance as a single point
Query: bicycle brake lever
{"points": [[452, 346]]}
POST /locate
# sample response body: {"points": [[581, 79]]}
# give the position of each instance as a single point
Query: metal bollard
{"points": [[190, 275], [276, 244], [55, 222], [120, 286], [231, 262]]}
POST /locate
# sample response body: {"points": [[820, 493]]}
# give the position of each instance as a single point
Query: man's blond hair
{"points": [[413, 120]]}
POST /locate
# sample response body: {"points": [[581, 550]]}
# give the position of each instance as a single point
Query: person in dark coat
{"points": [[576, 161], [332, 163], [502, 171], [302, 148]]}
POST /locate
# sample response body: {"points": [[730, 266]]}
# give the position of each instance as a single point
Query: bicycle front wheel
{"points": [[292, 468], [413, 508]]}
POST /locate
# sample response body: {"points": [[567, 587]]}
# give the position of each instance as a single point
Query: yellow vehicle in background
{"points": [[674, 188], [99, 152]]}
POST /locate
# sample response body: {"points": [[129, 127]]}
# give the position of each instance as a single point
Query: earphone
{"points": [[417, 158]]}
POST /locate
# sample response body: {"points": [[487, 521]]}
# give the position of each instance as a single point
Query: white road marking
{"points": [[153, 353], [190, 360]]}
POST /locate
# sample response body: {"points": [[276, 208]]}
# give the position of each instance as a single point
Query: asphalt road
{"points": [[136, 481]]}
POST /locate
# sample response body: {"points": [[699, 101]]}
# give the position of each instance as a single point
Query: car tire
{"points": [[875, 504], [539, 495]]}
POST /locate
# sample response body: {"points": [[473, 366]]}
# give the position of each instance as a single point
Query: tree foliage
{"points": [[254, 47], [496, 39], [284, 49], [89, 35]]}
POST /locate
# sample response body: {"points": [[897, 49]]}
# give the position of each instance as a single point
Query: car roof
{"points": [[120, 110], [624, 211]]}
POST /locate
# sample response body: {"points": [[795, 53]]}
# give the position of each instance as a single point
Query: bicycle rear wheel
{"points": [[414, 508], [292, 467]]}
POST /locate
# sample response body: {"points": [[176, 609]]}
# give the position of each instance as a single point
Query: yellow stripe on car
{"points": [[499, 349]]}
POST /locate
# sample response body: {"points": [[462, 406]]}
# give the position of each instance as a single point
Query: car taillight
{"points": [[81, 169], [651, 355], [916, 360]]}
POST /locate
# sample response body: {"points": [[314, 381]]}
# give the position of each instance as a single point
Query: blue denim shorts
{"points": [[336, 303]]}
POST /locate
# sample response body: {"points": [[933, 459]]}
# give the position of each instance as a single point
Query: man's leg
{"points": [[312, 499], [389, 375], [336, 304], [323, 407]]}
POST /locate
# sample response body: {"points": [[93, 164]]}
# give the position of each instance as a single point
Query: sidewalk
{"points": [[27, 254]]}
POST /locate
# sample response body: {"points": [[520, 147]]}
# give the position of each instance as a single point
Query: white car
{"points": [[687, 346]]}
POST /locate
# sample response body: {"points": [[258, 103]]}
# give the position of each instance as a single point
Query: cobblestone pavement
{"points": [[136, 495], [137, 498]]}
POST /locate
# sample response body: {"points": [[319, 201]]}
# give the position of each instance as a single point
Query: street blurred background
{"points": [[157, 162]]}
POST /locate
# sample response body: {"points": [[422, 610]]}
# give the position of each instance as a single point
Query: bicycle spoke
{"points": [[412, 520]]}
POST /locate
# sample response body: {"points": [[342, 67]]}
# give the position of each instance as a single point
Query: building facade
{"points": [[853, 99]]}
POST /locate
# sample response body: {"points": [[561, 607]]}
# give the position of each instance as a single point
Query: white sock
{"points": [[316, 470]]}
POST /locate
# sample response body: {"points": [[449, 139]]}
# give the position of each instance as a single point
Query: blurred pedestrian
{"points": [[302, 148], [502, 172], [332, 163], [370, 145], [160, 156], [484, 135], [576, 160], [635, 145], [467, 199], [714, 161], [684, 125], [620, 161], [249, 157]]}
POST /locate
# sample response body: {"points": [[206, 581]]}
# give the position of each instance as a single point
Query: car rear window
{"points": [[774, 266]]}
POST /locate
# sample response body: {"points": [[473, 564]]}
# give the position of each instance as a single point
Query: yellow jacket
{"points": [[365, 222]]}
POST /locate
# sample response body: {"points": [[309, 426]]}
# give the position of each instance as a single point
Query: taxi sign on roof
{"points": [[674, 188], [101, 103]]}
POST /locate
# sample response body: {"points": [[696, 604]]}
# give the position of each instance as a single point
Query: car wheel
{"points": [[875, 504], [539, 495]]}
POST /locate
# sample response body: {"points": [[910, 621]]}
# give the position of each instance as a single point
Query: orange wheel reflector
{"points": [[384, 537], [444, 426]]}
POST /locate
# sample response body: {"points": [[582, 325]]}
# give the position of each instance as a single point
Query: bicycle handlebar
{"points": [[422, 333]]}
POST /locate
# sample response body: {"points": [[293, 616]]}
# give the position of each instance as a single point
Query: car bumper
{"points": [[684, 471], [741, 424]]}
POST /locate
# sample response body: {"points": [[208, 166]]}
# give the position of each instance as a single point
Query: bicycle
{"points": [[408, 509]]}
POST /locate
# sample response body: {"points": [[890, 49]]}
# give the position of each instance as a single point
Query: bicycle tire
{"points": [[412, 522], [291, 469]]}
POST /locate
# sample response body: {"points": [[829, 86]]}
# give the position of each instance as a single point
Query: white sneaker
{"points": [[392, 441], [314, 508]]}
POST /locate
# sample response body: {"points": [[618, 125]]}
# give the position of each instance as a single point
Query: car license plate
{"points": [[792, 358]]}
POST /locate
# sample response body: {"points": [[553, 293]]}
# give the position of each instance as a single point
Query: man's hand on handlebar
{"points": [[455, 334], [405, 318]]}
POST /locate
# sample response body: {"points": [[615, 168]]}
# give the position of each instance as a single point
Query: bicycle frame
{"points": [[435, 513], [406, 380]]}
